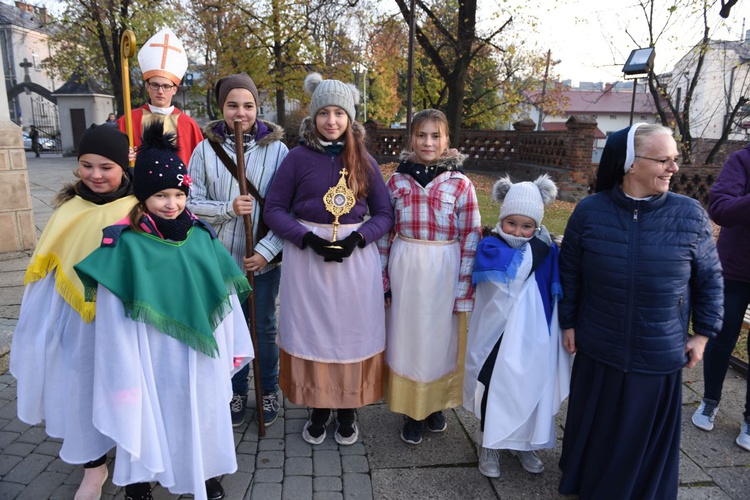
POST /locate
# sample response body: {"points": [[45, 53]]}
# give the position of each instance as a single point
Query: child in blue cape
{"points": [[517, 372], [170, 333]]}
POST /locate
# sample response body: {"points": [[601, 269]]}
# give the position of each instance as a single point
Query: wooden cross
{"points": [[166, 49]]}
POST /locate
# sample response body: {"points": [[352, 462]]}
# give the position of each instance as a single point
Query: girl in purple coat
{"points": [[331, 320], [729, 206]]}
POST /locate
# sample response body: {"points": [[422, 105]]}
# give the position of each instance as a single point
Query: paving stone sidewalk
{"points": [[379, 466]]}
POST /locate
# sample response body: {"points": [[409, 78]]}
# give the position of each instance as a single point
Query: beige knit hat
{"points": [[524, 198]]}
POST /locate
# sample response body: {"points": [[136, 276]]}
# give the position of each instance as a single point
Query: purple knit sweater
{"points": [[729, 207], [297, 192]]}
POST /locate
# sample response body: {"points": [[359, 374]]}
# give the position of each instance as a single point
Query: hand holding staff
{"points": [[248, 220]]}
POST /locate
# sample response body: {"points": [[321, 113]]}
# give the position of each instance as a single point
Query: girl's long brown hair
{"points": [[357, 162]]}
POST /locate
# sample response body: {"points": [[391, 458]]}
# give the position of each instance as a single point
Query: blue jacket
{"points": [[632, 273]]}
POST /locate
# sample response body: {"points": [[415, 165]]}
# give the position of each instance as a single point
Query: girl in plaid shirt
{"points": [[431, 247]]}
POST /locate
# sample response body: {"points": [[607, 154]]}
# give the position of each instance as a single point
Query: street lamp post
{"points": [[640, 62]]}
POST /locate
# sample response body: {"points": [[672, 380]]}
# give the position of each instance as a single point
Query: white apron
{"points": [[331, 312], [422, 343]]}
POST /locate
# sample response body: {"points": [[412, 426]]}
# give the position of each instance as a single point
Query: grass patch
{"points": [[740, 350]]}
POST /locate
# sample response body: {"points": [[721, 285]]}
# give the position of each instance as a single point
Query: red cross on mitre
{"points": [[167, 47]]}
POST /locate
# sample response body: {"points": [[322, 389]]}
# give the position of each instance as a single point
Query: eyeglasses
{"points": [[165, 87], [665, 163]]}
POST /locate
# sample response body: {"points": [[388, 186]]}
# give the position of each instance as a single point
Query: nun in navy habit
{"points": [[638, 263]]}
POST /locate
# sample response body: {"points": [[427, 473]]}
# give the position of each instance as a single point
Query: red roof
{"points": [[561, 126], [596, 102]]}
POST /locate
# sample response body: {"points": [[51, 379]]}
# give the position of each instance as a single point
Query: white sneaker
{"points": [[529, 461], [704, 416], [489, 462], [743, 440]]}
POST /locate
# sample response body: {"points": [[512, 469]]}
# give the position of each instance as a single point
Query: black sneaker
{"points": [[347, 431], [237, 408], [214, 490], [435, 422], [412, 431], [271, 407], [315, 428]]}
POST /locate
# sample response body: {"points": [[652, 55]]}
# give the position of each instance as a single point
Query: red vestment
{"points": [[188, 132]]}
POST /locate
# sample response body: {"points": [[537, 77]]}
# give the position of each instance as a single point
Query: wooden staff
{"points": [[248, 220], [127, 50]]}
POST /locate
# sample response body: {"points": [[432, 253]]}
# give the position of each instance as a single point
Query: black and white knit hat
{"points": [[524, 198], [158, 166], [331, 93]]}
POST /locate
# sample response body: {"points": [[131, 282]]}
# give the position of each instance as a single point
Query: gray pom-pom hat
{"points": [[331, 93]]}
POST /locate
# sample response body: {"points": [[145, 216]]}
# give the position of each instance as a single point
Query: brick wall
{"points": [[523, 153]]}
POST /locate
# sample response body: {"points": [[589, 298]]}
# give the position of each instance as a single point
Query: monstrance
{"points": [[339, 200]]}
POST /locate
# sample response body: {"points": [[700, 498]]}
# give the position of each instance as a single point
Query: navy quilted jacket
{"points": [[632, 274]]}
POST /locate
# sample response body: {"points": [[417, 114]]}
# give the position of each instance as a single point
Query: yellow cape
{"points": [[73, 232]]}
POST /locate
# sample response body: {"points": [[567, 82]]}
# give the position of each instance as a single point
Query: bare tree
{"points": [[451, 44]]}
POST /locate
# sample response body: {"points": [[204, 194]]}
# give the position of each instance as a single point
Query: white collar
{"points": [[160, 111]]}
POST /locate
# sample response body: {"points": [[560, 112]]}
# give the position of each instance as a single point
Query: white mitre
{"points": [[163, 55]]}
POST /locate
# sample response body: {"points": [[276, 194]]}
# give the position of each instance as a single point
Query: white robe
{"points": [[531, 376], [165, 404], [52, 358]]}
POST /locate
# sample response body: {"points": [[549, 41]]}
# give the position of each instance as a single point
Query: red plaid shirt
{"points": [[445, 210]]}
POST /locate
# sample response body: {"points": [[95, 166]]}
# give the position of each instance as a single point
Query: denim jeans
{"points": [[266, 289], [718, 350]]}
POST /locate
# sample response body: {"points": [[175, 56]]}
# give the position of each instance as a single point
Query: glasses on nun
{"points": [[665, 163]]}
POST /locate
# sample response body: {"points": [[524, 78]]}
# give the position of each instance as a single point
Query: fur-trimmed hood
{"points": [[309, 137], [214, 131], [451, 160]]}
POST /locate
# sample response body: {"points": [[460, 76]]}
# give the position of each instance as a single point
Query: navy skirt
{"points": [[622, 434]]}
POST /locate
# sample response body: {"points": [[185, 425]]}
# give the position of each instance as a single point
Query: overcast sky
{"points": [[589, 37]]}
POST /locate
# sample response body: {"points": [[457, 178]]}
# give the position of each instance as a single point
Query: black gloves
{"points": [[335, 251], [349, 243], [320, 247]]}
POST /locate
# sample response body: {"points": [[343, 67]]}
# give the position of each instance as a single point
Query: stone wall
{"points": [[16, 217]]}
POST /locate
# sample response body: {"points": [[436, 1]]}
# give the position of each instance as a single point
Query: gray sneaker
{"points": [[743, 440], [704, 416], [489, 462], [529, 461]]}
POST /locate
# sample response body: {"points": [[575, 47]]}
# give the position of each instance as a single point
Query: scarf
{"points": [[424, 174], [173, 229], [125, 189]]}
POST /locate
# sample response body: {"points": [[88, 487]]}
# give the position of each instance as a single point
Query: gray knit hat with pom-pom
{"points": [[524, 198], [331, 93]]}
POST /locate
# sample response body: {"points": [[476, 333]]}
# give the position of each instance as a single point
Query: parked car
{"points": [[45, 143]]}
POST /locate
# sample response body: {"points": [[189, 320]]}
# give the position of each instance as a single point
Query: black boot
{"points": [[214, 491], [138, 491]]}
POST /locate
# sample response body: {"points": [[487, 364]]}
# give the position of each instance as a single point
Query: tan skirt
{"points": [[419, 399], [331, 385]]}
